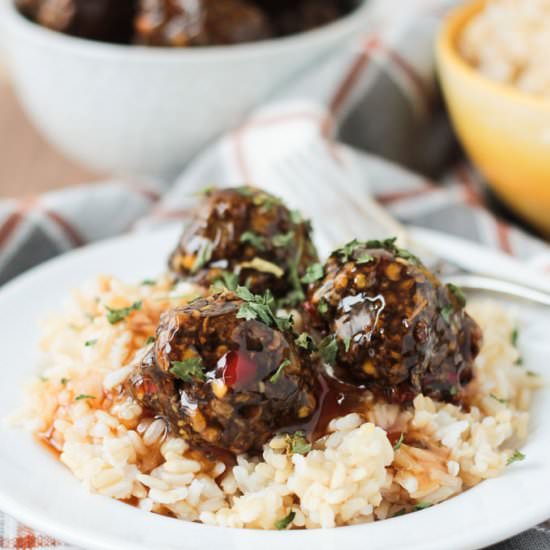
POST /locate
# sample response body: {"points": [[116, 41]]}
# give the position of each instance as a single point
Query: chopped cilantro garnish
{"points": [[227, 280], [517, 456], [245, 190], [188, 369], [457, 292], [346, 252], [255, 240], [285, 522], [322, 308], [519, 361], [115, 316], [90, 343], [297, 444], [446, 312], [150, 340], [399, 442], [148, 282], [499, 399], [453, 390], [356, 250], [266, 201], [84, 396], [305, 341], [313, 273], [64, 381], [401, 512], [205, 191], [514, 337], [328, 348], [531, 373], [364, 258], [278, 373], [282, 240], [423, 505], [260, 308]]}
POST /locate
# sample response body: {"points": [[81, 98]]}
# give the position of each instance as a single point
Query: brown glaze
{"points": [[232, 229], [104, 20], [178, 23], [238, 401], [183, 23], [399, 331]]}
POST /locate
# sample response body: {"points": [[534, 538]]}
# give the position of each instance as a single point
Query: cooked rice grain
{"points": [[352, 475]]}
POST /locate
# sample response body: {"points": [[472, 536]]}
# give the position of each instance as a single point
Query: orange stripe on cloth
{"points": [[471, 194], [7, 229], [422, 88], [503, 235], [70, 231], [344, 90], [396, 196]]}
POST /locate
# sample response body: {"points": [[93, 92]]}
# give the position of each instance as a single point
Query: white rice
{"points": [[509, 41], [352, 475]]}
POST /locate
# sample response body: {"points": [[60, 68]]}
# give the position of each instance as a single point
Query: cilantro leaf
{"points": [[446, 312], [188, 369], [148, 282], [399, 442], [282, 240], [279, 372], [423, 505], [297, 443], [322, 308], [84, 396], [150, 340], [514, 337], [499, 399], [285, 522], [305, 341], [115, 316], [90, 343], [457, 292], [328, 348], [517, 456], [255, 240], [313, 273]]}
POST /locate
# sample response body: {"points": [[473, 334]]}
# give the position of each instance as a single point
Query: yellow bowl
{"points": [[505, 132]]}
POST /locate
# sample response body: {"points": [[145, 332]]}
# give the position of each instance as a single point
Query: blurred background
{"points": [[138, 90]]}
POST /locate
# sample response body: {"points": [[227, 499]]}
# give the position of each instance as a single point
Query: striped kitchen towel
{"points": [[369, 116]]}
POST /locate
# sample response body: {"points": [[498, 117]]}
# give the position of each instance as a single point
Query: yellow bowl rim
{"points": [[448, 54]]}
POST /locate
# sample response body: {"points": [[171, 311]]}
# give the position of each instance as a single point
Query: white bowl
{"points": [[136, 110]]}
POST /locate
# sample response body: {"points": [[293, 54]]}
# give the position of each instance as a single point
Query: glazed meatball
{"points": [[251, 235], [291, 16], [391, 326], [222, 379], [107, 20], [180, 23]]}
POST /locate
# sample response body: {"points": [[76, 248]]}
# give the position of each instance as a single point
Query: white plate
{"points": [[40, 491]]}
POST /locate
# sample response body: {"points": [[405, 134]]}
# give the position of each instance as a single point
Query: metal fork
{"points": [[343, 209]]}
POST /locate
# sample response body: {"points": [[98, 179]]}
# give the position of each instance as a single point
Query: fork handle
{"points": [[478, 282]]}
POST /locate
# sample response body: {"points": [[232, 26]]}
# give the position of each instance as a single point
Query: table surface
{"points": [[28, 164]]}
